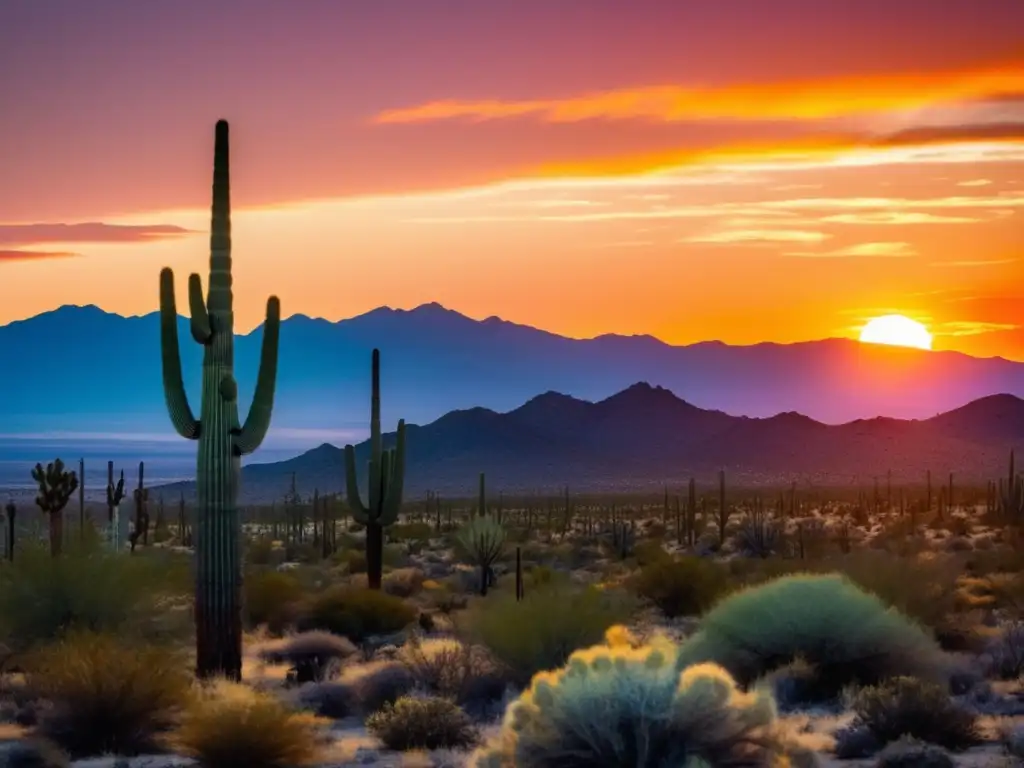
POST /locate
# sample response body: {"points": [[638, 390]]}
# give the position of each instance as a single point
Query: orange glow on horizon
{"points": [[806, 99]]}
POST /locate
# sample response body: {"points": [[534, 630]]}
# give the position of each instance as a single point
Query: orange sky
{"points": [[788, 179]]}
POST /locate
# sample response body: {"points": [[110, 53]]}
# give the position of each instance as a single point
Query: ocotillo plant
{"points": [[115, 494], [387, 475], [483, 539], [55, 488], [141, 496], [81, 498], [222, 442], [12, 512]]}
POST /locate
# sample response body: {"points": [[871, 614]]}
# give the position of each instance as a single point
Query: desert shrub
{"points": [[404, 582], [32, 754], [311, 655], [541, 631], [682, 587], [410, 532], [353, 559], [355, 613], [271, 598], [906, 706], [1005, 653], [107, 694], [648, 552], [620, 704], [89, 588], [922, 588], [260, 551], [911, 753], [229, 725], [380, 684], [845, 634], [422, 723], [333, 699], [454, 670]]}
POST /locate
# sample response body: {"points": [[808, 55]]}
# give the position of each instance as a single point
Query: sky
{"points": [[738, 170]]}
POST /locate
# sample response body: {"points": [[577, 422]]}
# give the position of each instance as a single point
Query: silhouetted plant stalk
{"points": [[55, 488]]}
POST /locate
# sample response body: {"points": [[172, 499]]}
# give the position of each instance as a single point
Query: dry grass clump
{"points": [[229, 725], [904, 706], [107, 695], [422, 723]]}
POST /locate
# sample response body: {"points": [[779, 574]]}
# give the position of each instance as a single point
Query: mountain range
{"points": [[80, 369], [645, 437]]}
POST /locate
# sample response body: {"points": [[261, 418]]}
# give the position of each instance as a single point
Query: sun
{"points": [[896, 330]]}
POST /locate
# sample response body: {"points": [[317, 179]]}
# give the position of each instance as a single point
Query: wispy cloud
{"points": [[759, 236], [862, 250], [974, 183], [86, 232], [972, 263], [805, 99], [898, 218], [34, 255], [970, 328]]}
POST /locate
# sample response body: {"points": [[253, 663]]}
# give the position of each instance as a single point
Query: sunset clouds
{"points": [[809, 99], [585, 166]]}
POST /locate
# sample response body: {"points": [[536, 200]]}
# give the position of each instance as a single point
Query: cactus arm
{"points": [[355, 503], [393, 499], [182, 418], [200, 318], [257, 422]]}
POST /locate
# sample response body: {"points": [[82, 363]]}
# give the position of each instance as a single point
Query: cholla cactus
{"points": [[626, 704], [55, 489], [483, 538]]}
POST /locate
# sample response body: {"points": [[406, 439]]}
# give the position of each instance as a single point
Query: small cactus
{"points": [[55, 488]]}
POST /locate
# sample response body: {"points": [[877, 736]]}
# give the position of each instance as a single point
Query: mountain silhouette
{"points": [[86, 370], [645, 437]]}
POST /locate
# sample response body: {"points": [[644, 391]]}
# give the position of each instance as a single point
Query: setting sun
{"points": [[896, 330]]}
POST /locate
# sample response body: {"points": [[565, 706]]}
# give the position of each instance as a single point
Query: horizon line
{"points": [[490, 318]]}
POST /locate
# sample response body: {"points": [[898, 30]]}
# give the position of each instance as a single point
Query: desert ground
{"points": [[868, 629]]}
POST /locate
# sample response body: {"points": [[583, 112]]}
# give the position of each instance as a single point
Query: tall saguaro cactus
{"points": [[387, 475], [222, 442]]}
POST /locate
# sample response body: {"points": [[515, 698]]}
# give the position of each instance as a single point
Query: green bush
{"points": [[107, 695], [905, 706], [540, 632], [355, 613], [846, 635], [90, 588], [271, 598], [684, 587], [422, 723], [620, 704]]}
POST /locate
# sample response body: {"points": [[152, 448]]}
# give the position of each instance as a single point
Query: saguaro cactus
{"points": [[55, 488], [387, 475], [222, 442]]}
